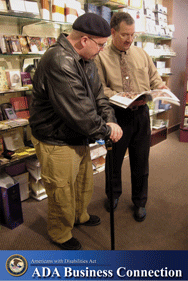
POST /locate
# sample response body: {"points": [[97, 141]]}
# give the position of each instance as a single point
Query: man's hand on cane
{"points": [[116, 132]]}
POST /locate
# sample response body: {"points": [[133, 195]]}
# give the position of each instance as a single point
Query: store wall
{"points": [[179, 45]]}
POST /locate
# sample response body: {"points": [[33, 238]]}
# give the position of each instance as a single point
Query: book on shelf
{"points": [[44, 43], [51, 40], [10, 113], [1, 115], [15, 45], [1, 145], [20, 105], [125, 99], [34, 44], [45, 9], [185, 122], [186, 110], [32, 7], [13, 123], [13, 140], [26, 80], [3, 5], [17, 6], [14, 78], [99, 162], [3, 79], [4, 106], [7, 41], [3, 48], [24, 44]]}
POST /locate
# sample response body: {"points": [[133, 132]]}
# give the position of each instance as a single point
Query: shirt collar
{"points": [[116, 50]]}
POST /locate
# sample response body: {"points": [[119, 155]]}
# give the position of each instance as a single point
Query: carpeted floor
{"points": [[165, 227]]}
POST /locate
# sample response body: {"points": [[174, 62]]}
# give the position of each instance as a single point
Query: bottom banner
{"points": [[93, 265]]}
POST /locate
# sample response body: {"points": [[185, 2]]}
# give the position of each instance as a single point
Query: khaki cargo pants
{"points": [[68, 178]]}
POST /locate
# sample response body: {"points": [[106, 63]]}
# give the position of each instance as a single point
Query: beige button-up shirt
{"points": [[143, 71]]}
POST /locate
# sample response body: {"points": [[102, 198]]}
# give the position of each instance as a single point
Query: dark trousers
{"points": [[136, 137]]}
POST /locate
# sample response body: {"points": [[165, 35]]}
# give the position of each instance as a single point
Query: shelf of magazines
{"points": [[18, 157], [7, 125], [98, 154], [12, 91]]}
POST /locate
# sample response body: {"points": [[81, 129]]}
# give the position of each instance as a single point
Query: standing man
{"points": [[68, 110], [126, 68]]}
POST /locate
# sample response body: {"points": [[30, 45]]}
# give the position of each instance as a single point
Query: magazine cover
{"points": [[24, 44], [7, 41], [35, 44], [26, 80], [15, 45], [51, 40], [126, 99], [14, 79], [44, 44]]}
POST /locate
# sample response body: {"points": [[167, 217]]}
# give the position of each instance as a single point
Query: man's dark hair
{"points": [[118, 17]]}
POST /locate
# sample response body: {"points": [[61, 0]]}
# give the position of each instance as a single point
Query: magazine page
{"points": [[166, 95], [125, 99]]}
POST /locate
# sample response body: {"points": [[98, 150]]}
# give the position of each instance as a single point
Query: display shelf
{"points": [[22, 19], [12, 91], [158, 135], [15, 161], [113, 5], [15, 126], [166, 75], [147, 36], [154, 58], [29, 55], [12, 18]]}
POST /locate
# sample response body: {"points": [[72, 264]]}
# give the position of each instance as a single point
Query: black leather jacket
{"points": [[68, 104]]}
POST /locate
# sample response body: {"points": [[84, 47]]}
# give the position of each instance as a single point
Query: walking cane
{"points": [[109, 179]]}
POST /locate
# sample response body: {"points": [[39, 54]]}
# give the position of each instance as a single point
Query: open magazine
{"points": [[125, 99]]}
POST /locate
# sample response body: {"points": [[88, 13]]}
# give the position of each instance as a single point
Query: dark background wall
{"points": [[179, 12]]}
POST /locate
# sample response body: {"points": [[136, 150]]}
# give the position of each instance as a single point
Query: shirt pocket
{"points": [[142, 77]]}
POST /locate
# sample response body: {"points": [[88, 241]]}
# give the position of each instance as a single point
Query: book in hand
{"points": [[125, 99]]}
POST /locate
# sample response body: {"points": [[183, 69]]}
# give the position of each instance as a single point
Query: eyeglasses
{"points": [[126, 36], [101, 46]]}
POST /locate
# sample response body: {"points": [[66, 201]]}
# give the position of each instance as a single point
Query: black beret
{"points": [[92, 24]]}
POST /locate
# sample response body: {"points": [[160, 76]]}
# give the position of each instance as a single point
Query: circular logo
{"points": [[16, 265]]}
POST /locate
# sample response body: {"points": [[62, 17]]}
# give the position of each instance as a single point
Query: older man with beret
{"points": [[69, 110]]}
